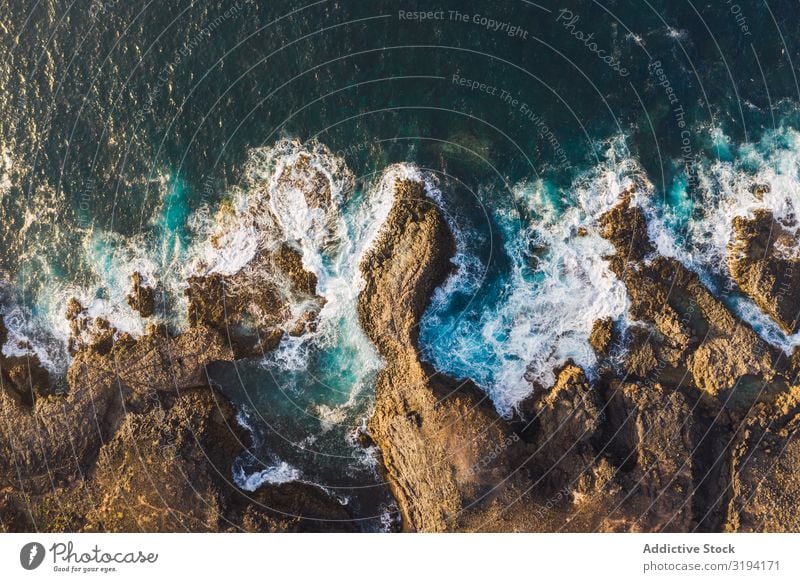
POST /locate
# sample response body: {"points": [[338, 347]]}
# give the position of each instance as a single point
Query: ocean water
{"points": [[133, 135]]}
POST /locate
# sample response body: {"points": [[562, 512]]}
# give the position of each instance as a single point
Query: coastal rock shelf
{"points": [[677, 435]]}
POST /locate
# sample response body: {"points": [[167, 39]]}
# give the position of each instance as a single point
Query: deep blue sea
{"points": [[126, 126]]}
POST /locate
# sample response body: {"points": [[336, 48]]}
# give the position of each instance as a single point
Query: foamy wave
{"points": [[748, 178], [6, 169], [291, 192], [559, 284], [29, 335], [277, 474]]}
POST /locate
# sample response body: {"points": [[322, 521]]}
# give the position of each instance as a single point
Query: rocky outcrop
{"points": [[630, 453], [167, 469], [139, 441], [687, 328], [56, 441], [763, 477], [612, 456], [692, 427], [142, 298], [442, 447], [762, 262], [22, 378], [252, 306], [602, 336], [649, 431]]}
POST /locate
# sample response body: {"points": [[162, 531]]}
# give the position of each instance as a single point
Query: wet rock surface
{"points": [[434, 433], [652, 444], [684, 326], [252, 307], [142, 298]]}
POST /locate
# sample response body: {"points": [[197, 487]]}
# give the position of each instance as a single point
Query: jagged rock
{"points": [[154, 362], [295, 507], [640, 358], [167, 469], [602, 335], [651, 444], [251, 307], [290, 262], [443, 449], [759, 265], [56, 441], [142, 298], [692, 329], [626, 228], [568, 418], [141, 443], [23, 378]]}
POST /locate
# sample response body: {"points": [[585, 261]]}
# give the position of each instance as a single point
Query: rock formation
{"points": [[251, 307], [689, 422], [687, 328], [434, 434], [138, 442], [764, 266], [142, 298]]}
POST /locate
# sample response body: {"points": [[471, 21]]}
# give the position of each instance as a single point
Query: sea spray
{"points": [[539, 312], [302, 195], [698, 231]]}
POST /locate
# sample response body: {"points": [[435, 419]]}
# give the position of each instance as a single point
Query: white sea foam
{"points": [[730, 189], [277, 474], [6, 169], [271, 208], [548, 322], [552, 296]]}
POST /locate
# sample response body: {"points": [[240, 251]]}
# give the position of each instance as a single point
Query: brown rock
{"points": [[602, 334], [252, 307], [568, 418], [442, 448], [762, 271], [692, 329], [651, 443], [764, 477], [141, 298], [23, 378]]}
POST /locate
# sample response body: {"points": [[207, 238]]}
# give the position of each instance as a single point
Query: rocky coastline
{"points": [[691, 429]]}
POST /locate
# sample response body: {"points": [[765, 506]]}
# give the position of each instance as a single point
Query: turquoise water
{"points": [[119, 148]]}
